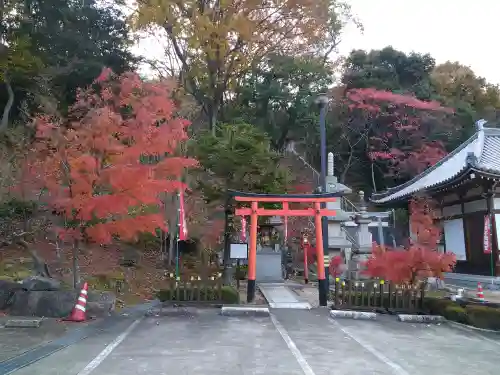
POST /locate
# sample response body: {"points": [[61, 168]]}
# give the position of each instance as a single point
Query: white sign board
{"points": [[454, 238], [239, 251]]}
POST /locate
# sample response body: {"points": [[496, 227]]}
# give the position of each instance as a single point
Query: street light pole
{"points": [[322, 101]]}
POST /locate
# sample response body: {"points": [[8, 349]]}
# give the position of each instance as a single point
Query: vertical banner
{"points": [[487, 235], [286, 228], [183, 233], [243, 234]]}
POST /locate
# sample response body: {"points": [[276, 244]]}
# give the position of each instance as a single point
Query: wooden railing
{"points": [[193, 288], [376, 295]]}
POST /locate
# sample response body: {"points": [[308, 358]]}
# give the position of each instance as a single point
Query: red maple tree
{"points": [[403, 134], [106, 164], [409, 266], [421, 259]]}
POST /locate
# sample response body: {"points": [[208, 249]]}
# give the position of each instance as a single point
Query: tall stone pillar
{"points": [[363, 247], [336, 237]]}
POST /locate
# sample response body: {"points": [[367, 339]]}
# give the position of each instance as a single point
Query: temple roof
{"points": [[480, 153]]}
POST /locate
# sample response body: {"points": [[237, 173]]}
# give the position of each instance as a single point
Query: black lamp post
{"points": [[322, 101]]}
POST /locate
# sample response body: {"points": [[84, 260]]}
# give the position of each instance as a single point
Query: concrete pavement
{"points": [[290, 342], [422, 349], [15, 341]]}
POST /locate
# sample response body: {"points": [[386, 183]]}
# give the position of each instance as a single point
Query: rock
{"points": [[101, 303], [7, 290], [58, 304], [39, 283], [52, 304]]}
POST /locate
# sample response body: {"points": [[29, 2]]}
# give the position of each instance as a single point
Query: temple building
{"points": [[466, 186]]}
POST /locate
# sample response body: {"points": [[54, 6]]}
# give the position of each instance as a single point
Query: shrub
{"points": [[230, 295], [437, 306], [456, 314], [483, 316], [240, 274]]}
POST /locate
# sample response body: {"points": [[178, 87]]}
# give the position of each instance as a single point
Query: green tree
{"points": [[389, 69], [239, 157], [51, 47], [278, 97], [472, 96]]}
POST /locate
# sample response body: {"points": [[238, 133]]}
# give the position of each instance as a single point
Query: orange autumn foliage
{"points": [[421, 259], [105, 166]]}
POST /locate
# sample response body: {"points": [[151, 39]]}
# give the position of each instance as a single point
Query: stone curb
{"points": [[407, 318], [469, 328], [292, 305], [353, 314], [244, 311], [23, 323], [172, 311]]}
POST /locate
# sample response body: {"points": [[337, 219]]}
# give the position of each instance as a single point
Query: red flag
{"points": [[487, 235], [243, 236], [183, 233]]}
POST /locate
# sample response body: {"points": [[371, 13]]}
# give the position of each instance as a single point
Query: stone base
{"points": [[420, 318], [355, 267], [244, 311], [23, 323], [353, 314]]}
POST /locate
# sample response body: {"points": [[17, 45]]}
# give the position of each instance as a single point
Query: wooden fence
{"points": [[192, 289], [377, 295]]}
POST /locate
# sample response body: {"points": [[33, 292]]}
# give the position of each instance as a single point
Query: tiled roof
{"points": [[480, 152]]}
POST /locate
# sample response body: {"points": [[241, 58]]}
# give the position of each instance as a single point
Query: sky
{"points": [[449, 30]]}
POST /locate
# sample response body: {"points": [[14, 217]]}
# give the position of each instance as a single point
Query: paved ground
{"points": [[291, 342], [15, 341]]}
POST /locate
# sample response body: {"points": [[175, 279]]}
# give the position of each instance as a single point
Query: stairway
{"points": [[307, 175], [314, 177]]}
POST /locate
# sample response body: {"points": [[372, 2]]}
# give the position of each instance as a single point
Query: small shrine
{"points": [[269, 237], [270, 250]]}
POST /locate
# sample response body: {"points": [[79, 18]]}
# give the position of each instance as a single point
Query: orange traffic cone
{"points": [[480, 295], [78, 313]]}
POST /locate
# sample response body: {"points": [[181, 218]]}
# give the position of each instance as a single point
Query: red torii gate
{"points": [[285, 199]]}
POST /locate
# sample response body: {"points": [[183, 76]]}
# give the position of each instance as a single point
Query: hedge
{"points": [[483, 316], [479, 316], [226, 294], [437, 306], [456, 314]]}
